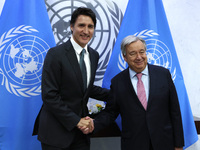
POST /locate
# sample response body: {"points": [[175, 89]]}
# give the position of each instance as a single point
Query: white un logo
{"points": [[23, 59], [158, 53], [22, 56]]}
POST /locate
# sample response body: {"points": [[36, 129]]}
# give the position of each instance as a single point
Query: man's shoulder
{"points": [[93, 53], [61, 47], [158, 69], [91, 50], [121, 75]]}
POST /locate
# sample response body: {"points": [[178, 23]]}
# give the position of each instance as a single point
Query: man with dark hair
{"points": [[86, 12], [67, 83]]}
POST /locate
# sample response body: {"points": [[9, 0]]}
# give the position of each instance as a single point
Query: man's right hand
{"points": [[86, 125]]}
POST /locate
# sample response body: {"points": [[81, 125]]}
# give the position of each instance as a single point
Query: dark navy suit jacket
{"points": [[160, 124], [64, 101]]}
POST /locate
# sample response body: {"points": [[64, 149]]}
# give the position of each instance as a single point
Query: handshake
{"points": [[86, 125]]}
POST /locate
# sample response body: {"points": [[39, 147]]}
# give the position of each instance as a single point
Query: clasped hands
{"points": [[86, 125]]}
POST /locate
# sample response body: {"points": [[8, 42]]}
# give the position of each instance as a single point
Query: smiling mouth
{"points": [[139, 63], [85, 36]]}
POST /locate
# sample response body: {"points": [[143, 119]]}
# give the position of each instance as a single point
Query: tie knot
{"points": [[82, 55], [139, 76], [83, 52]]}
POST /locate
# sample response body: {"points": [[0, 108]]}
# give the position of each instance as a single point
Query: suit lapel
{"points": [[129, 86], [128, 82], [152, 80], [71, 55], [93, 64]]}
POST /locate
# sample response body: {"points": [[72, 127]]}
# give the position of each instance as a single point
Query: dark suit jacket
{"points": [[64, 101], [161, 123]]}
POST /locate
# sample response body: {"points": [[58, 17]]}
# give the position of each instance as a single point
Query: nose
{"points": [[86, 30], [138, 56]]}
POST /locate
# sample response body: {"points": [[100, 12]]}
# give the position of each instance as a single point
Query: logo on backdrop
{"points": [[157, 52], [22, 54], [109, 18]]}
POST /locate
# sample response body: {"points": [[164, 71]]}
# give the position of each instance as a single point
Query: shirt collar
{"points": [[144, 72], [77, 47]]}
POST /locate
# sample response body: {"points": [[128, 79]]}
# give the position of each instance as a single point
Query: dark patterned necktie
{"points": [[83, 69]]}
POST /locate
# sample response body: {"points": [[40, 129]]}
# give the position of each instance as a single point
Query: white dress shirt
{"points": [[78, 50], [145, 80]]}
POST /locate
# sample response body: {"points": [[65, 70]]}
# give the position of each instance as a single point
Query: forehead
{"points": [[135, 46], [84, 19]]}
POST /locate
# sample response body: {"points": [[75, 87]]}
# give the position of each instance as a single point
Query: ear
{"points": [[72, 27], [124, 56]]}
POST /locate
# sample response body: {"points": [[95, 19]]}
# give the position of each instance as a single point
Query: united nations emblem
{"points": [[157, 52], [22, 54], [109, 18]]}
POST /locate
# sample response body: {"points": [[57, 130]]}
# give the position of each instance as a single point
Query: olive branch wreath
{"points": [[116, 16], [14, 89]]}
